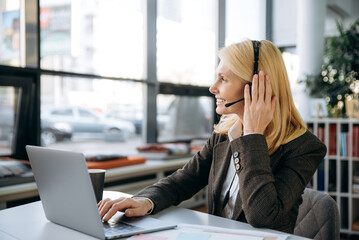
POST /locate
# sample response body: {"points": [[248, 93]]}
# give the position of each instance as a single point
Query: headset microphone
{"points": [[231, 103]]}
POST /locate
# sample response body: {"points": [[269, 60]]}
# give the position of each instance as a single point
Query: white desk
{"points": [[29, 222]]}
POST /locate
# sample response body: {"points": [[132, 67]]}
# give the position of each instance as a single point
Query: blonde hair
{"points": [[286, 124]]}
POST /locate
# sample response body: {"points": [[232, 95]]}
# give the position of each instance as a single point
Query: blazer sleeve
{"points": [[268, 196], [183, 183]]}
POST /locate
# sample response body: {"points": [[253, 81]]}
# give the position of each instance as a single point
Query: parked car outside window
{"points": [[52, 132], [88, 124]]}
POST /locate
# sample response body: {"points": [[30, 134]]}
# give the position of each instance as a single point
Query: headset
{"points": [[256, 45]]}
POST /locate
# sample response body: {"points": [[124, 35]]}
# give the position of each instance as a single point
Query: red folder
{"points": [[116, 163]]}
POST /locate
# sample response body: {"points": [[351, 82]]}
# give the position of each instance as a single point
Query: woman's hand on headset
{"points": [[258, 111]]}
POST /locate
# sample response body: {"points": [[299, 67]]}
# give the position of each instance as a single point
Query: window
{"points": [[7, 121], [182, 118], [186, 41], [95, 37], [245, 19], [291, 61], [65, 112], [10, 36], [86, 114], [87, 62], [96, 115], [99, 38], [17, 113], [186, 62]]}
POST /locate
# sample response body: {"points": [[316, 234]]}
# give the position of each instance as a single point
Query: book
{"points": [[321, 133], [343, 144], [332, 139], [355, 142]]}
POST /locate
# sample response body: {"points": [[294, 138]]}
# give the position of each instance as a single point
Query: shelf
{"points": [[340, 194], [352, 232], [337, 172], [334, 120]]}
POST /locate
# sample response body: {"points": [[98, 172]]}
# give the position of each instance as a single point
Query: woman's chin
{"points": [[221, 110]]}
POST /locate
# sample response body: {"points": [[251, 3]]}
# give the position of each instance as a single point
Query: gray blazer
{"points": [[270, 186]]}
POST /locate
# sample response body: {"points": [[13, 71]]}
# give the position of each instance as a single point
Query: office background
{"points": [[107, 76], [79, 65]]}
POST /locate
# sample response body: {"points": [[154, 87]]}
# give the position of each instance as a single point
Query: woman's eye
{"points": [[224, 80]]}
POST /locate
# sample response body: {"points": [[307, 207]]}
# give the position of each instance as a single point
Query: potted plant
{"points": [[338, 81]]}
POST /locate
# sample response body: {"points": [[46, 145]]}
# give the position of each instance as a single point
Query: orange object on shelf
{"points": [[116, 163]]}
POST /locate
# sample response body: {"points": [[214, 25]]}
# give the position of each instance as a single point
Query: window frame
{"points": [[27, 123]]}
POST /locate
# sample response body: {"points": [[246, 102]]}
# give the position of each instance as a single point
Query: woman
{"points": [[259, 158]]}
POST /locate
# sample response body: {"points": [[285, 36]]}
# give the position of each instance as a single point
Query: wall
{"points": [[285, 19]]}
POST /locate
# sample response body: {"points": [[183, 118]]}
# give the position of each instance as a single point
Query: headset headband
{"points": [[256, 45]]}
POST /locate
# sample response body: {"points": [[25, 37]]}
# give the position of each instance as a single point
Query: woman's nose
{"points": [[213, 89]]}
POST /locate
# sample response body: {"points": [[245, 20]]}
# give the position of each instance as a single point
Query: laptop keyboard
{"points": [[115, 229]]}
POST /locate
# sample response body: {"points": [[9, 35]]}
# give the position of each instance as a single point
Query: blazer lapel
{"points": [[222, 156]]}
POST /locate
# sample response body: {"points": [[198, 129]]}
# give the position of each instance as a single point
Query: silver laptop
{"points": [[68, 198]]}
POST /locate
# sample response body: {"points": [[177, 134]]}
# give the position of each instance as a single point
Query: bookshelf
{"points": [[338, 174]]}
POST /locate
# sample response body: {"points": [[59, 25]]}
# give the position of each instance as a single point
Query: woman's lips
{"points": [[220, 101]]}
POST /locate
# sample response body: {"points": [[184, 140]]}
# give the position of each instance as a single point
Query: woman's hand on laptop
{"points": [[132, 207]]}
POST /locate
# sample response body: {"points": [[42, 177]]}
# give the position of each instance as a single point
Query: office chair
{"points": [[318, 216]]}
